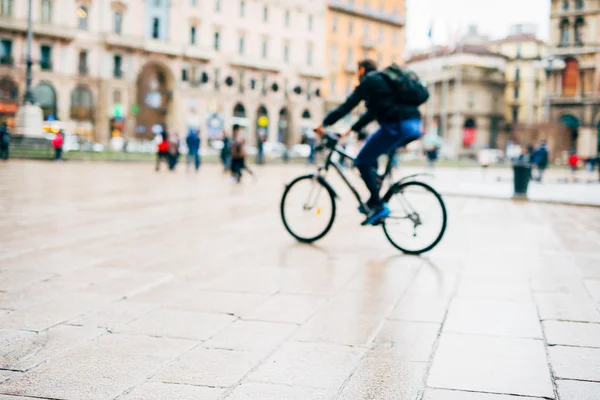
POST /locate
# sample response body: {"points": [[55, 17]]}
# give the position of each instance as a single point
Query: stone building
{"points": [[129, 67], [525, 79], [574, 75], [356, 30], [467, 88]]}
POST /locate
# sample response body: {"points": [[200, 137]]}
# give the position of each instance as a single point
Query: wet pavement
{"points": [[120, 283]]}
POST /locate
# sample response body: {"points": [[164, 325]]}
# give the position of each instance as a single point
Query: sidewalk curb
{"points": [[519, 200]]}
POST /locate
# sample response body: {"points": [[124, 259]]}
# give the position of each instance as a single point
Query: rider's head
{"points": [[365, 66]]}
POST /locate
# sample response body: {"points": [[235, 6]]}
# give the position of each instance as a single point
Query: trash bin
{"points": [[522, 175]]}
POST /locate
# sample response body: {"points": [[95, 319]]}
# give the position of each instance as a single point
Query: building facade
{"points": [[355, 30], [467, 88], [574, 75], [131, 67], [525, 78]]}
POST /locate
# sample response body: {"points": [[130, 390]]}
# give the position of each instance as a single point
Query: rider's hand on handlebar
{"points": [[319, 130]]}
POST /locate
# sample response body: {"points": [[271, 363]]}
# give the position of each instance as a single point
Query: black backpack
{"points": [[407, 86]]}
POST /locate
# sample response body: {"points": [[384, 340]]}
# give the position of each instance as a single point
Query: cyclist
{"points": [[399, 124]]}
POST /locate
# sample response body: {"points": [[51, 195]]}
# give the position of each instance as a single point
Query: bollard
{"points": [[522, 175]]}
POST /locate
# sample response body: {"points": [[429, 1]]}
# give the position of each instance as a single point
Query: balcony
{"points": [[254, 63], [368, 44], [374, 15], [46, 65], [7, 60], [56, 32], [122, 41], [566, 49], [8, 24], [198, 53], [350, 68], [312, 72], [162, 47]]}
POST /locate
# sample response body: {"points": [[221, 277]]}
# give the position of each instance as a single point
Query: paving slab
{"points": [[209, 367], [385, 379], [409, 341], [256, 336], [572, 333], [578, 390], [170, 322], [491, 364], [161, 391], [34, 349], [566, 307], [282, 307], [316, 365], [493, 317], [575, 363], [440, 394], [267, 391], [114, 315], [125, 362]]}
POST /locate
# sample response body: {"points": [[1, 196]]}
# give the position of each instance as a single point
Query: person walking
{"points": [[57, 144], [238, 154], [541, 157], [193, 143], [226, 152], [260, 144], [4, 141], [162, 150], [573, 163], [174, 143]]}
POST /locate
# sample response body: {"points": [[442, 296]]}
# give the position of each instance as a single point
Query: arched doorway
{"points": [[82, 111], [306, 125], [239, 115], [282, 127], [154, 100], [262, 123], [571, 123], [9, 101], [469, 132], [45, 95]]}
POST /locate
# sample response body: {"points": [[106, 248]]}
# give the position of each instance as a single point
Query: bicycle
{"points": [[403, 214]]}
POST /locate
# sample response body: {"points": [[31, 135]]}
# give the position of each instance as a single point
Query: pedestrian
{"points": [[541, 157], [311, 140], [260, 153], [174, 144], [238, 154], [432, 155], [162, 150], [193, 143], [4, 141], [573, 163], [226, 152], [57, 144]]}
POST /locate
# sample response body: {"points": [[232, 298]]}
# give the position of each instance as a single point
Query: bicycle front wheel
{"points": [[307, 209], [418, 218]]}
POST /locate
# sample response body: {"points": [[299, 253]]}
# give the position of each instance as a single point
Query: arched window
{"points": [[570, 78], [306, 114], [118, 22], [46, 7], [564, 32], [579, 4], [578, 31], [565, 4], [282, 127], [239, 110], [82, 105], [45, 96]]}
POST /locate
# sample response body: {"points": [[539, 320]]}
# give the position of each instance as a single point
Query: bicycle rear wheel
{"points": [[418, 217], [307, 209]]}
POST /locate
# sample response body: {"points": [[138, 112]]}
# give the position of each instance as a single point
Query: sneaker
{"points": [[376, 215]]}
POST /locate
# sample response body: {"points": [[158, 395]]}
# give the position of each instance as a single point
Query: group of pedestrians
{"points": [[168, 150]]}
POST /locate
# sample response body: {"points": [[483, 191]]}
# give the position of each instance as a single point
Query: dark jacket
{"points": [[193, 142], [381, 102]]}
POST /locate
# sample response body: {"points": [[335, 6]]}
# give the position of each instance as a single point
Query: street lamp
{"points": [[29, 98]]}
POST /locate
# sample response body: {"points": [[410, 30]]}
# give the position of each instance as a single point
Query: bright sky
{"points": [[493, 18]]}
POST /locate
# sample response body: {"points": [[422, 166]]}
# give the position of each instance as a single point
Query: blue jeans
{"points": [[193, 158], [388, 138]]}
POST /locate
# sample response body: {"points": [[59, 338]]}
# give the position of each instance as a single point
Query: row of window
{"points": [[565, 32], [350, 57], [566, 4], [366, 30]]}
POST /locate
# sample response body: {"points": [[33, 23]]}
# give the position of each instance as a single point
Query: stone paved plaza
{"points": [[120, 283]]}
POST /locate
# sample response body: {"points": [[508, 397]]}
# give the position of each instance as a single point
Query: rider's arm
{"points": [[363, 121], [352, 101]]}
